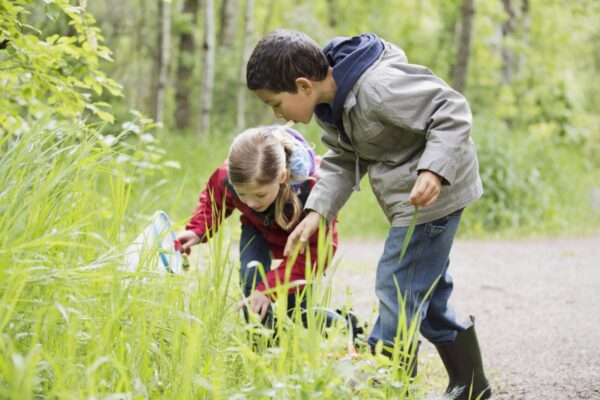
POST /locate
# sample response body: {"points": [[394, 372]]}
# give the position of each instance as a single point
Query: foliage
{"points": [[58, 72], [76, 187], [531, 184], [547, 108], [73, 324]]}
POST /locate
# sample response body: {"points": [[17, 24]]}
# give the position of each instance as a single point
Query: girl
{"points": [[267, 177]]}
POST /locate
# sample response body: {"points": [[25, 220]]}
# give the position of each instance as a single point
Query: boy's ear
{"points": [[304, 85]]}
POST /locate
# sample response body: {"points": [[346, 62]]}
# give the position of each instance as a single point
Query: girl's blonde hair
{"points": [[257, 156]]}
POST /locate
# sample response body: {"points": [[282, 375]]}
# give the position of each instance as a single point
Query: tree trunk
{"points": [[185, 67], [516, 24], [208, 64], [461, 68], [525, 26], [268, 17], [331, 13], [508, 28], [139, 98], [163, 56], [241, 95], [228, 28]]}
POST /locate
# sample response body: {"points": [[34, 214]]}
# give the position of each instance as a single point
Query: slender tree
{"points": [[241, 94], [268, 17], [208, 65], [461, 67], [524, 23], [227, 29], [185, 65], [331, 13], [508, 28], [163, 56]]}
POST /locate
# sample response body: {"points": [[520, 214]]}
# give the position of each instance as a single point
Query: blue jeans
{"points": [[255, 249], [424, 265]]}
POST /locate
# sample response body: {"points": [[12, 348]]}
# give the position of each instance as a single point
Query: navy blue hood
{"points": [[350, 57]]}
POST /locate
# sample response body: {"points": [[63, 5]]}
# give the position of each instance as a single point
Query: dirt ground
{"points": [[537, 304]]}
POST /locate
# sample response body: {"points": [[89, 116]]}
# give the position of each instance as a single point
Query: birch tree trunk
{"points": [[515, 25], [525, 28], [461, 68], [331, 13], [208, 64], [163, 56], [241, 94], [508, 29], [185, 66], [267, 22], [227, 30]]}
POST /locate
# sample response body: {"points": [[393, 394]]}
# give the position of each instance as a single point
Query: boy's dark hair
{"points": [[281, 57]]}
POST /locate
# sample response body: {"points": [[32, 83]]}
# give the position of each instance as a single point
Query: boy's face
{"points": [[297, 107]]}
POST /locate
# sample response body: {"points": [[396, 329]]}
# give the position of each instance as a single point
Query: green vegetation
{"points": [[75, 325], [81, 172]]}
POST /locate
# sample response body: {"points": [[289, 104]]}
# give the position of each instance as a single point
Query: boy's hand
{"points": [[426, 189], [187, 240], [302, 233], [257, 302]]}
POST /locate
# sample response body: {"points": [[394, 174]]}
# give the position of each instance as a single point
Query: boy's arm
{"points": [[302, 232], [336, 178], [412, 97]]}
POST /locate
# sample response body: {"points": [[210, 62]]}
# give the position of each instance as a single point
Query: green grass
{"points": [[75, 325]]}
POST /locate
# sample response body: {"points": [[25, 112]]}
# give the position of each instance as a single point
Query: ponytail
{"points": [[286, 195]]}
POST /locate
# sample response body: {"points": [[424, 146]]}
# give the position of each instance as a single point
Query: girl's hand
{"points": [[426, 190], [187, 240], [257, 302]]}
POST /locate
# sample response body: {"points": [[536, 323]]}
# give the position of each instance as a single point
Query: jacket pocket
{"points": [[391, 184]]}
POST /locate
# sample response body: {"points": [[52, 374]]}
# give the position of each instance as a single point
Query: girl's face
{"points": [[258, 197]]}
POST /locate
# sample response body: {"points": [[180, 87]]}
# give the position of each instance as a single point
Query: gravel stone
{"points": [[537, 308]]}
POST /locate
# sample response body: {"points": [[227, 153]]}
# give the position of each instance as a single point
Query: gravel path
{"points": [[537, 304]]}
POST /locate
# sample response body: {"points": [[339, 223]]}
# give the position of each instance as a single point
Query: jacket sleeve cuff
{"points": [[322, 206], [198, 231], [439, 163]]}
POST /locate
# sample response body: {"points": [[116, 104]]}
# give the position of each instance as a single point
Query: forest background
{"points": [[529, 69], [111, 110]]}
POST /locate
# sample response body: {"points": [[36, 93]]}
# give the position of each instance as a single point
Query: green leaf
{"points": [[103, 115], [52, 11], [409, 233], [52, 39]]}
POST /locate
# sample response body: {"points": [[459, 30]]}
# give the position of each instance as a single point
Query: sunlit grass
{"points": [[76, 325]]}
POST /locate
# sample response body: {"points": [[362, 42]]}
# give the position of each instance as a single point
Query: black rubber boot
{"points": [[462, 360], [346, 318]]}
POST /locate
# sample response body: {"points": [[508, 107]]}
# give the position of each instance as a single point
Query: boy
{"points": [[411, 132]]}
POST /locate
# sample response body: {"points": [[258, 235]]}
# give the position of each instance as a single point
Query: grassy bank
{"points": [[76, 325]]}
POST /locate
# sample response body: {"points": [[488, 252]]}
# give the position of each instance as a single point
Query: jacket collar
{"points": [[350, 57]]}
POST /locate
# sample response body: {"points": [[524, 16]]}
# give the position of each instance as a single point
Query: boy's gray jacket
{"points": [[399, 119]]}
